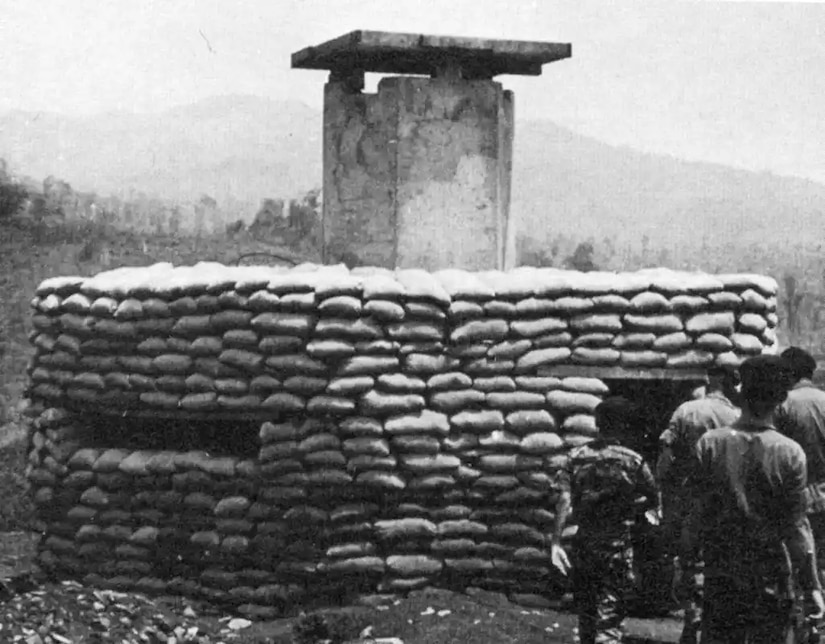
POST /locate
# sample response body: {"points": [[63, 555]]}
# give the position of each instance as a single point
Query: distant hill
{"points": [[242, 149]]}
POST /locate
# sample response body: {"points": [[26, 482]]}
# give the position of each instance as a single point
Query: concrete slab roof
{"points": [[419, 54]]}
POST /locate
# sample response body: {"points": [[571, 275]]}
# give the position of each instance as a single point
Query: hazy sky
{"points": [[736, 83]]}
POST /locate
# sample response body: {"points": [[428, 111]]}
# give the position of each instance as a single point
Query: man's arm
{"points": [[667, 441], [563, 508], [797, 532], [646, 487], [690, 537]]}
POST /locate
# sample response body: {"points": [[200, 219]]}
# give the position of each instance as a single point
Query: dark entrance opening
{"points": [[215, 436], [656, 401]]}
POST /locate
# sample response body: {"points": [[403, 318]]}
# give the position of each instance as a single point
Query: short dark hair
{"points": [[728, 374], [765, 382], [800, 362], [614, 412]]}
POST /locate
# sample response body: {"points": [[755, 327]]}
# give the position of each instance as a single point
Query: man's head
{"points": [[722, 378], [801, 363], [615, 416], [765, 383]]}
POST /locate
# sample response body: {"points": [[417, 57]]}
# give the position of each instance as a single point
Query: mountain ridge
{"points": [[243, 148]]}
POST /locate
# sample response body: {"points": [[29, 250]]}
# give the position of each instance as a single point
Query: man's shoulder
{"points": [[706, 406], [595, 449], [779, 440], [689, 406], [806, 393], [717, 435], [770, 438]]}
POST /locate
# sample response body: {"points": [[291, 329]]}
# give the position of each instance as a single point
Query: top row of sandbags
{"points": [[166, 281]]}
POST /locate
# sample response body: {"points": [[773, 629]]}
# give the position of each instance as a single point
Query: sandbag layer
{"points": [[314, 339]]}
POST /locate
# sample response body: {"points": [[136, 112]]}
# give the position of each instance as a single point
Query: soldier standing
{"points": [[610, 487], [688, 423], [802, 418], [747, 516]]}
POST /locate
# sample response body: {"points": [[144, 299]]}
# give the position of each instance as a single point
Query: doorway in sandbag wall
{"points": [[656, 401]]}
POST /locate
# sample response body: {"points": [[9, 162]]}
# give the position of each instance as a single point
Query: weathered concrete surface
{"points": [[359, 213], [418, 175]]}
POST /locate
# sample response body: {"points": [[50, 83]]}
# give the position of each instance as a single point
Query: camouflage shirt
{"points": [[609, 486]]}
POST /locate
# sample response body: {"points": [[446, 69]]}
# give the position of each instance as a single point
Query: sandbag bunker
{"points": [[261, 437]]}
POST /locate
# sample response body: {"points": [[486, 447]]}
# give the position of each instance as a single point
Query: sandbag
{"points": [[540, 326], [721, 322], [509, 349], [584, 424], [449, 381], [541, 443], [594, 340], [583, 385], [528, 421], [453, 401], [368, 365], [587, 356], [423, 364], [412, 443], [641, 359], [724, 300], [330, 349], [568, 402], [376, 403], [478, 422], [344, 329], [747, 343], [423, 422], [658, 324], [460, 310], [692, 358], [752, 323], [684, 303], [540, 384], [401, 383], [713, 342], [344, 306], [350, 385], [488, 367], [416, 331], [634, 341], [477, 330], [672, 342], [491, 384], [597, 322], [540, 357], [650, 302], [611, 302]]}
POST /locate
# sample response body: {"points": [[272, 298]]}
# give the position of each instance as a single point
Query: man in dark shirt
{"points": [[802, 418], [747, 489], [610, 488]]}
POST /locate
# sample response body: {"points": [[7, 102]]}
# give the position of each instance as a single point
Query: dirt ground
{"points": [[65, 612]]}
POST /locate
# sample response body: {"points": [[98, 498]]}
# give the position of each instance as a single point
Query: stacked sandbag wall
{"points": [[411, 424]]}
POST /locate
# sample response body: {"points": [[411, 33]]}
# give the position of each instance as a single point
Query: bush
{"points": [[12, 198], [17, 510], [335, 626]]}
